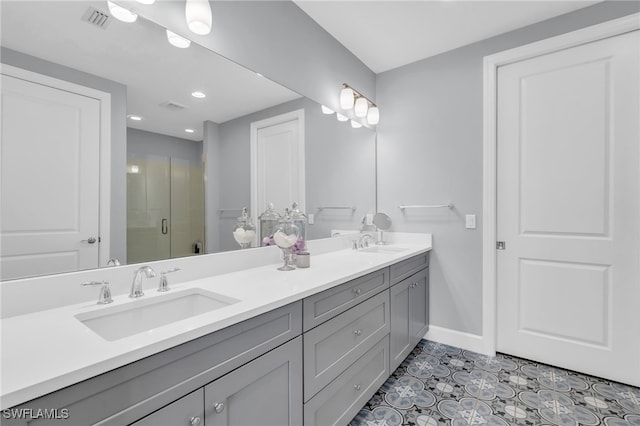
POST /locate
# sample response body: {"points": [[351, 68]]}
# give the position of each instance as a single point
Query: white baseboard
{"points": [[459, 339]]}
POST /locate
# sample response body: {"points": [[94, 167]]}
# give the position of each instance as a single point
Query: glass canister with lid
{"points": [[269, 220]]}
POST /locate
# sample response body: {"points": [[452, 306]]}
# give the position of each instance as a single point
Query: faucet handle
{"points": [[105, 292], [164, 282]]}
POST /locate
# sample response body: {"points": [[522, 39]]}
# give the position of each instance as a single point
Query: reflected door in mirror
{"points": [[50, 179]]}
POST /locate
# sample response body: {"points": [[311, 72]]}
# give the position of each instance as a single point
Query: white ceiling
{"points": [[388, 34], [139, 56]]}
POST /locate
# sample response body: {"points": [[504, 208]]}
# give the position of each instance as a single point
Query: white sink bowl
{"points": [[142, 315], [383, 249]]}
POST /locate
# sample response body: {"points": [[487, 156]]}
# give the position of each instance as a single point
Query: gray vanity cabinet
{"points": [[265, 392], [409, 315]]}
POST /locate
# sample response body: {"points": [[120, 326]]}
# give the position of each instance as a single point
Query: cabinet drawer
{"points": [[330, 348], [343, 398], [326, 305], [128, 393], [188, 410], [408, 267]]}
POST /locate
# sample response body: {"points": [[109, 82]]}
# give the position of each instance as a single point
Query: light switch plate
{"points": [[470, 221]]}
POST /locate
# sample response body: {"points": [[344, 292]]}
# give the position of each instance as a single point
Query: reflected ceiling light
{"points": [[341, 117], [363, 106], [134, 117], [178, 41], [373, 116], [355, 124], [326, 110], [198, 94], [259, 75], [146, 1], [121, 14], [346, 98], [189, 130], [198, 14]]}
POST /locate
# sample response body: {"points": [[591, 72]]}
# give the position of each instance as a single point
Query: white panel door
{"points": [[277, 163], [568, 290], [50, 180]]}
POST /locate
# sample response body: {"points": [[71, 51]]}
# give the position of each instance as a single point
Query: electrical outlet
{"points": [[369, 220], [310, 218]]}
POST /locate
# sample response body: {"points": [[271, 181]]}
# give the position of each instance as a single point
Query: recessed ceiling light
{"points": [[134, 117], [178, 41], [189, 130], [198, 94], [259, 75], [121, 14]]}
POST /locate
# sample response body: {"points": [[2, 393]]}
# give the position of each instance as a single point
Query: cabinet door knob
{"points": [[357, 332], [218, 407], [357, 291], [357, 387], [194, 421]]}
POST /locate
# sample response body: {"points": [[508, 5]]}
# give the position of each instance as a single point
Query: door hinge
{"points": [[501, 245]]}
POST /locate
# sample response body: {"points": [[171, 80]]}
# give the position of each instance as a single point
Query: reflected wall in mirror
{"points": [[146, 76]]}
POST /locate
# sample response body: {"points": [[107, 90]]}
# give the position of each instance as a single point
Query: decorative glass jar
{"points": [[268, 223], [300, 220], [285, 237], [244, 232]]}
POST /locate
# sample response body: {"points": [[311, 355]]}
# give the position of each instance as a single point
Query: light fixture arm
{"points": [[357, 94]]}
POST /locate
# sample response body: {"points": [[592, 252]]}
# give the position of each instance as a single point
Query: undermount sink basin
{"points": [[142, 315], [383, 249]]}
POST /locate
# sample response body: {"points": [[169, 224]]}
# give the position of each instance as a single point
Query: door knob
{"points": [[89, 240], [218, 407], [194, 421]]}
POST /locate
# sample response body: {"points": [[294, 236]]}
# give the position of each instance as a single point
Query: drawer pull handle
{"points": [[357, 387], [357, 332], [357, 291], [194, 421], [218, 407]]}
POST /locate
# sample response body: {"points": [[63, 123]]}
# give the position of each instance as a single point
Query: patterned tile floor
{"points": [[443, 385]]}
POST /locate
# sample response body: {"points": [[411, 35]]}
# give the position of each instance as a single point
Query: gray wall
{"points": [[276, 39], [340, 170], [118, 243], [141, 143], [430, 151]]}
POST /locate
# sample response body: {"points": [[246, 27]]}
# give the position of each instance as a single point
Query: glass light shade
{"points": [[341, 117], [362, 105], [178, 41], [326, 110], [146, 1], [346, 98], [373, 116], [121, 14], [355, 124], [198, 94], [198, 14]]}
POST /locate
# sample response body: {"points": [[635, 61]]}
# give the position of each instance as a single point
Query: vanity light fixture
{"points": [[178, 41], [326, 110], [355, 124], [363, 106], [198, 94], [198, 14], [341, 117], [121, 14], [134, 117], [189, 130]]}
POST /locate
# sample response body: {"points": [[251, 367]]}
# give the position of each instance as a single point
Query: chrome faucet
{"points": [[364, 240], [136, 285]]}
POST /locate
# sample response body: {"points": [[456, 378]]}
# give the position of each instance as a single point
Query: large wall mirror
{"points": [[180, 176]]}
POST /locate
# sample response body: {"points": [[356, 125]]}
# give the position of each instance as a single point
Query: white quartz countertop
{"points": [[48, 350]]}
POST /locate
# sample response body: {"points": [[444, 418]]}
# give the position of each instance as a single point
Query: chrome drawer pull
{"points": [[194, 421], [218, 407], [357, 387], [357, 332]]}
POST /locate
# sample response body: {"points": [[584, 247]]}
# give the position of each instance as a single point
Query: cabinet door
{"points": [[400, 329], [187, 411], [266, 391], [409, 315], [419, 306]]}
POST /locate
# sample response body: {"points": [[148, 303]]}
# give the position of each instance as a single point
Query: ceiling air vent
{"points": [[95, 17], [174, 106]]}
